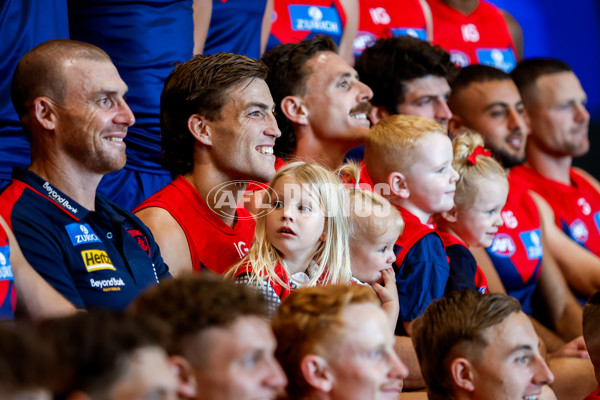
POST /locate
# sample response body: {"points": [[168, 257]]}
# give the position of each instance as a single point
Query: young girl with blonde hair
{"points": [[302, 239], [481, 192]]}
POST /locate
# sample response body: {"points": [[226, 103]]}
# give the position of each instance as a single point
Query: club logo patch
{"points": [[579, 231], [503, 245]]}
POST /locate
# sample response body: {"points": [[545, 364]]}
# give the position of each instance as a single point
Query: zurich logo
{"points": [[315, 13]]}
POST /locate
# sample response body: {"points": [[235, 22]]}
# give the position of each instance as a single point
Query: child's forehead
{"points": [[291, 187]]}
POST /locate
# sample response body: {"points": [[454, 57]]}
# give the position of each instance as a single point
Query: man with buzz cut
{"points": [[70, 100], [569, 198], [218, 132]]}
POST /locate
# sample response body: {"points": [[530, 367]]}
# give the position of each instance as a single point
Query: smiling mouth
{"points": [[266, 150], [114, 139]]}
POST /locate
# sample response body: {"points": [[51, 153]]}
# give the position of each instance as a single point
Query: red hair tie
{"points": [[479, 151]]}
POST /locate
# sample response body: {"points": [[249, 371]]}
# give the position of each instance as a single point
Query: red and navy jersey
{"points": [[516, 250], [145, 39], [422, 268], [388, 18], [576, 206], [464, 271], [213, 244], [8, 294], [101, 258], [235, 27], [281, 291], [481, 37], [294, 21]]}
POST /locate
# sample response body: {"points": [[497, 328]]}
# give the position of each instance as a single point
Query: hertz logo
{"points": [[96, 260]]}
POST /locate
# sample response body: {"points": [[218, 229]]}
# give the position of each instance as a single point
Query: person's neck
{"points": [[466, 7], [329, 154], [551, 167], [298, 262], [417, 212], [70, 178], [204, 178]]}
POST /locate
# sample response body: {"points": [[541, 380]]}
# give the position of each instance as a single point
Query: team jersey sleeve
{"points": [[44, 250], [422, 277]]}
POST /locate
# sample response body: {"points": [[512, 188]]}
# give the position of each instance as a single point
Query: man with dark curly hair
{"points": [[321, 105], [218, 132], [220, 337], [408, 76]]}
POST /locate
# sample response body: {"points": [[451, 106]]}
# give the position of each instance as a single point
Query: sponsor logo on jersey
{"points": [[241, 248], [579, 231], [509, 219], [414, 32], [503, 245], [459, 58], [52, 193], [107, 285], [597, 220], [503, 59], [6, 272], [533, 243], [315, 19], [81, 234], [586, 209], [96, 260]]}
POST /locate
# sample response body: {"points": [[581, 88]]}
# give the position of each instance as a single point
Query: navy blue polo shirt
{"points": [[102, 258]]}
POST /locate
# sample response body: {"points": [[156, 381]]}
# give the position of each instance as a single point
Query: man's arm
{"points": [[202, 14], [406, 352], [515, 32], [170, 238], [36, 298], [350, 30], [565, 313], [266, 26], [580, 267]]}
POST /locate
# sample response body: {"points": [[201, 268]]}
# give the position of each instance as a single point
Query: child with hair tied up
{"points": [[481, 192], [375, 225], [302, 239]]}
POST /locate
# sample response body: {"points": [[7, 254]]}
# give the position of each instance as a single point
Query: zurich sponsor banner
{"points": [[503, 59], [414, 32], [315, 19], [81, 234], [533, 243], [503, 245], [6, 272]]}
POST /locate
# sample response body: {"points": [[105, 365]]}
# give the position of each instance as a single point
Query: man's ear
{"points": [[450, 216], [187, 387], [315, 370], [44, 112], [461, 370], [454, 124], [398, 185], [294, 109], [200, 129], [378, 113]]}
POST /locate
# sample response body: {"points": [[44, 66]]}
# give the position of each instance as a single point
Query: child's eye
{"points": [[375, 353], [439, 171], [304, 208], [383, 249], [277, 204]]}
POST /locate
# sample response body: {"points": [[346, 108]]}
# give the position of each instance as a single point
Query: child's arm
{"points": [[388, 295]]}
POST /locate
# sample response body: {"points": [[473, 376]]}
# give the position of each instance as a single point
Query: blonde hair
{"points": [[391, 143], [369, 213], [332, 255], [471, 174]]}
